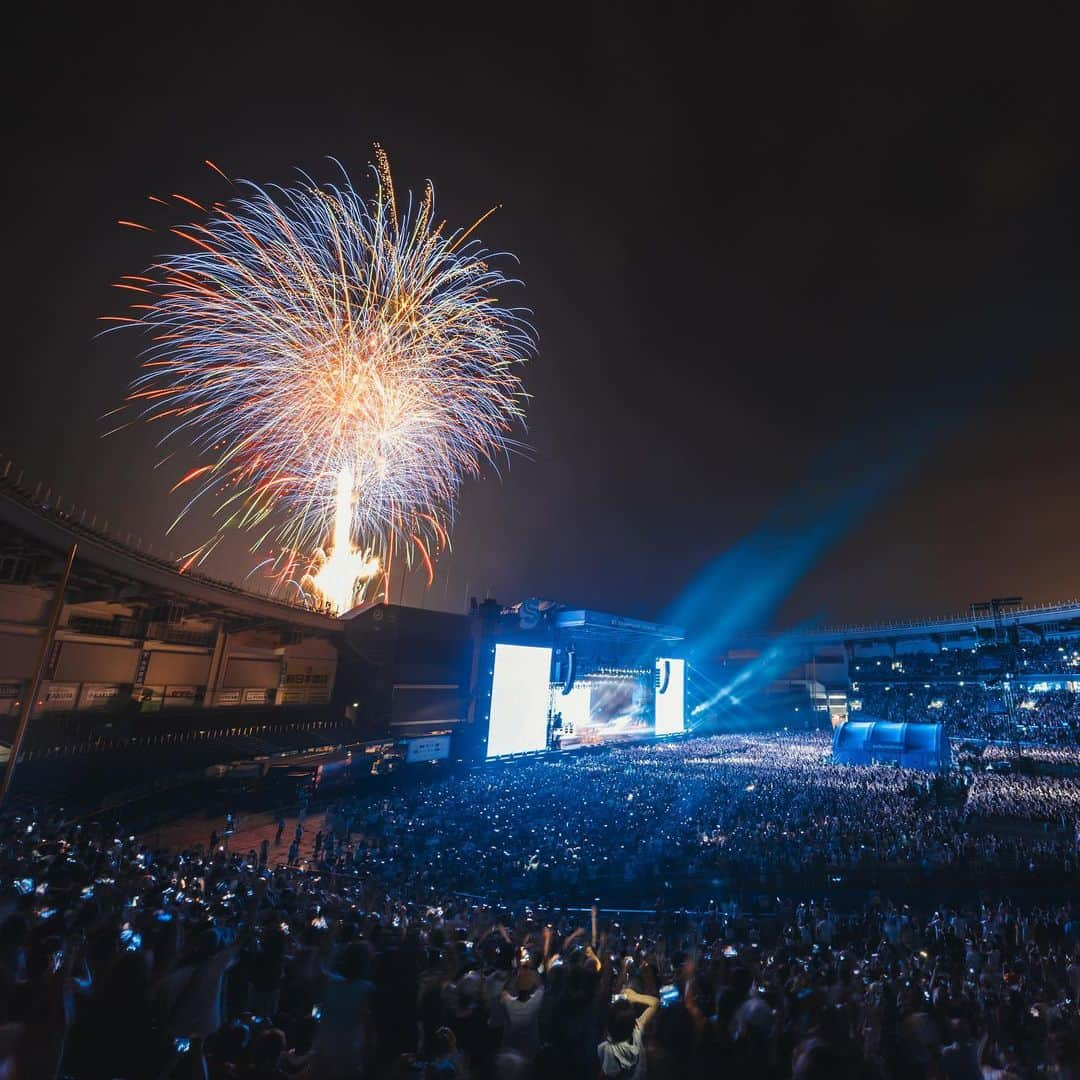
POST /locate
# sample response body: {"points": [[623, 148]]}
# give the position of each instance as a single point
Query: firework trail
{"points": [[334, 355]]}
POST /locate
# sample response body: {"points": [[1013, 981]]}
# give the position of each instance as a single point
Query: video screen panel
{"points": [[520, 697], [599, 709], [670, 696]]}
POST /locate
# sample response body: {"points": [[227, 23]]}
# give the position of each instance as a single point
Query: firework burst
{"points": [[333, 355]]}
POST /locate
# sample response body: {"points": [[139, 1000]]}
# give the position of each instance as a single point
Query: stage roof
{"points": [[603, 623]]}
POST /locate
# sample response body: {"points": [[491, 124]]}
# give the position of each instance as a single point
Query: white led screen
{"points": [[520, 696], [671, 698]]}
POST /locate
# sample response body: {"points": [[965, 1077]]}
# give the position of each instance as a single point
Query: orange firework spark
{"points": [[344, 363]]}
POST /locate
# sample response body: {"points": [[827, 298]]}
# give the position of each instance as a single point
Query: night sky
{"points": [[767, 256]]}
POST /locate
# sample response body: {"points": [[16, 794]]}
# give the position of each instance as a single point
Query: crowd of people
{"points": [[444, 929], [749, 808], [964, 710], [975, 692], [972, 663], [1048, 718]]}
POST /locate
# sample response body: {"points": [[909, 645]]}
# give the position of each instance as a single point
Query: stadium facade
{"points": [[1000, 645], [146, 658], [144, 649], [136, 634]]}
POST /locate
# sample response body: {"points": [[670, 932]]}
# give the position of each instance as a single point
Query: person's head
{"points": [[960, 1029], [671, 1038], [816, 1059], [129, 976], [500, 956], [740, 980], [206, 944], [443, 1044], [470, 991], [268, 1046], [753, 1020], [620, 1022], [354, 961], [526, 983], [228, 1044]]}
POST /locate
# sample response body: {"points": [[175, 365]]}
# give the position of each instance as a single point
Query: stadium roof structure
{"points": [[108, 569], [599, 622], [1031, 616]]}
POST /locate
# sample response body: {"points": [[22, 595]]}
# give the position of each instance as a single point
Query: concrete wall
{"points": [[109, 656]]}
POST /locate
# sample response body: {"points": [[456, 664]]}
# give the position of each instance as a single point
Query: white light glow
{"points": [[520, 696], [671, 704], [344, 567]]}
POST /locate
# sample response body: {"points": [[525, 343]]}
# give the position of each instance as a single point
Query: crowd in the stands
{"points": [[1048, 718], [972, 663]]}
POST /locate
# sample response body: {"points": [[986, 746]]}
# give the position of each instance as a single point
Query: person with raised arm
{"points": [[621, 1053]]}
